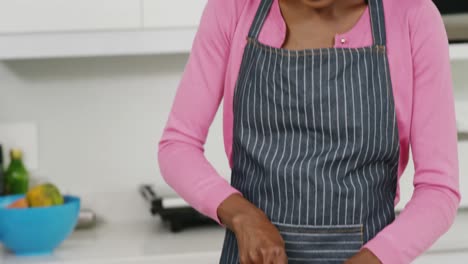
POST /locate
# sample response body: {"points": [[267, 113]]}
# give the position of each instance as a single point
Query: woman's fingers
{"points": [[274, 255], [282, 258], [267, 255], [258, 240], [262, 251], [256, 257], [251, 257]]}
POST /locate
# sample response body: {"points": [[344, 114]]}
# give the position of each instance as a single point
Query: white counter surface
{"points": [[149, 242], [136, 242]]}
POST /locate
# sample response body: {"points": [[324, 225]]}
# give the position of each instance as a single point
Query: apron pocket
{"points": [[321, 244]]}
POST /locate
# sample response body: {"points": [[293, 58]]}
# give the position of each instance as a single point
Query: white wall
{"points": [[99, 119], [460, 80]]}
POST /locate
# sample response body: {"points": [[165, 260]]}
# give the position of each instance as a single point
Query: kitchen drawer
{"points": [[172, 14], [446, 257], [195, 258], [406, 182], [24, 16], [463, 159], [406, 185]]}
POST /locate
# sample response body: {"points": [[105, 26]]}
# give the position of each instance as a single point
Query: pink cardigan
{"points": [[422, 85]]}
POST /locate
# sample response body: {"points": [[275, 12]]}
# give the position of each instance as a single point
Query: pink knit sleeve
{"points": [[433, 139], [181, 157]]}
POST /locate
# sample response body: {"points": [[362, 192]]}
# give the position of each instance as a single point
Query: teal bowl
{"points": [[36, 231]]}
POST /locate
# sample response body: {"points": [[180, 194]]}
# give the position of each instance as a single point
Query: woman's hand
{"points": [[364, 256], [258, 240]]}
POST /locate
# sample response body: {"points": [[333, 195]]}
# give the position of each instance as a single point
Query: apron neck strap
{"points": [[260, 18], [375, 9]]}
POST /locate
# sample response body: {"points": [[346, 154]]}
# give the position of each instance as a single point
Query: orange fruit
{"points": [[20, 203]]}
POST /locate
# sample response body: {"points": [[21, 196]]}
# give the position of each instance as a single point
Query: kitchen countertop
{"points": [[150, 242], [130, 242]]}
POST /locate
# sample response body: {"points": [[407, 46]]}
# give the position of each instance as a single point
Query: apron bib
{"points": [[315, 143]]}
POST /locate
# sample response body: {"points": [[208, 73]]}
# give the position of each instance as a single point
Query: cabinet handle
{"points": [[463, 136]]}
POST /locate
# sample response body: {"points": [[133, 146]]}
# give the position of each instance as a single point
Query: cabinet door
{"points": [[173, 13], [456, 257], [406, 185], [406, 181], [463, 159], [20, 16]]}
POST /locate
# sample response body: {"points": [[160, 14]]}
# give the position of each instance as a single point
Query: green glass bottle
{"points": [[2, 174], [16, 176]]}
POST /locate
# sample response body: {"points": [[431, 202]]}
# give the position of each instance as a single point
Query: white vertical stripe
{"points": [[396, 138], [251, 117], [346, 126], [249, 133], [374, 145], [312, 84], [305, 88], [347, 164], [236, 116], [251, 176], [244, 88], [323, 140], [300, 143], [396, 141], [292, 143], [261, 177], [278, 143], [338, 129], [381, 153], [387, 152], [267, 88], [331, 141], [255, 178], [284, 145], [384, 172], [241, 107], [393, 137], [362, 139], [358, 176], [368, 141]]}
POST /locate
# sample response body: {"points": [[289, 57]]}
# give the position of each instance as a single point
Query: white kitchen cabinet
{"points": [[26, 16], [406, 181], [193, 258], [463, 159], [95, 44], [37, 29], [459, 52], [406, 185], [449, 257], [172, 14]]}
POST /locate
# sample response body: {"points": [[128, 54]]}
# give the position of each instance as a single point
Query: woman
{"points": [[322, 99]]}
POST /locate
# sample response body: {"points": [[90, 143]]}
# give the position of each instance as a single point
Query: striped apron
{"points": [[315, 143]]}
